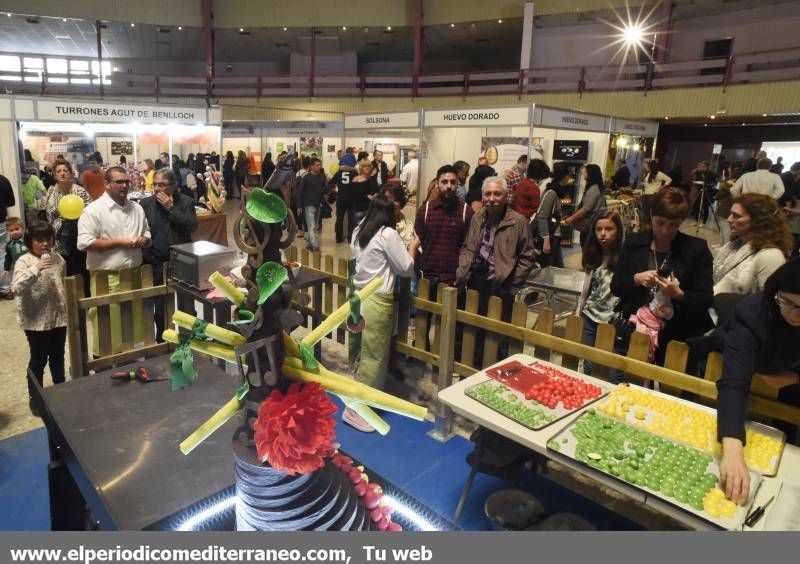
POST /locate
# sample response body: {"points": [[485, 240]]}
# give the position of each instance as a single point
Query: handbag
{"points": [[325, 210], [624, 330]]}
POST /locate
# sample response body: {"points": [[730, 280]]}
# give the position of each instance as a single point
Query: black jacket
{"points": [[6, 197], [168, 227], [622, 178], [754, 342], [384, 172], [690, 261]]}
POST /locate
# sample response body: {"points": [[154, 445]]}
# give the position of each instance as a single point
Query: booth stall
{"points": [[395, 134], [318, 139], [576, 138], [501, 134], [42, 129], [631, 141]]}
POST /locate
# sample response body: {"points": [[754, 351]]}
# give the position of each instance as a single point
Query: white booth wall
{"points": [[403, 140], [446, 145], [276, 143]]}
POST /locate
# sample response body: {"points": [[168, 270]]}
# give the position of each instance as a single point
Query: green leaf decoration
{"points": [[269, 278], [265, 207]]}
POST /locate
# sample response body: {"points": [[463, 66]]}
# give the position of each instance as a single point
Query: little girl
{"points": [[41, 306]]}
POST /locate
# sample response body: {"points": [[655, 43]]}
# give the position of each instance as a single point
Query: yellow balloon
{"points": [[71, 206], [334, 169]]}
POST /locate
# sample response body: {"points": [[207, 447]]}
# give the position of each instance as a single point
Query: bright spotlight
{"points": [[633, 34]]}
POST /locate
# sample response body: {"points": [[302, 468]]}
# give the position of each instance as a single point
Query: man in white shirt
{"points": [[762, 181], [410, 172], [113, 230]]}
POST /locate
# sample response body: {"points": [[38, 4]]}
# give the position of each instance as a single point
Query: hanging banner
{"points": [[502, 153], [389, 119], [563, 119], [51, 110], [643, 128], [481, 117]]}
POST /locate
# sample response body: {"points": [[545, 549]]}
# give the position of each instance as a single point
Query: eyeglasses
{"points": [[788, 305], [453, 181], [162, 184], [120, 182]]}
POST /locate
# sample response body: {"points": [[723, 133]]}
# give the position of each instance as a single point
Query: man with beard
{"points": [[441, 227], [498, 252]]}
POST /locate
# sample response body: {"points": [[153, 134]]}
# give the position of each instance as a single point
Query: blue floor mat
{"points": [[23, 482]]}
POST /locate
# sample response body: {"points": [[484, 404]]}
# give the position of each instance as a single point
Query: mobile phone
{"points": [[664, 272]]}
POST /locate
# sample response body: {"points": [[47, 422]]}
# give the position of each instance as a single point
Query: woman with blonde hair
{"points": [[758, 246], [149, 173]]}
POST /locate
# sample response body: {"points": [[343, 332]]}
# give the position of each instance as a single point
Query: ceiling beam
{"points": [[208, 43]]}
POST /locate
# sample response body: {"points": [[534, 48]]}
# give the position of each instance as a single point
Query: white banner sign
{"points": [[643, 128], [50, 110], [481, 117], [301, 132], [365, 121], [562, 119]]}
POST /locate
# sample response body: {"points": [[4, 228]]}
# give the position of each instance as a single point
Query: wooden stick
{"points": [[215, 332], [217, 350], [340, 315], [212, 424], [227, 289]]}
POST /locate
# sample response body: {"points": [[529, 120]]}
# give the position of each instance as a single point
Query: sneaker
{"points": [[356, 421]]}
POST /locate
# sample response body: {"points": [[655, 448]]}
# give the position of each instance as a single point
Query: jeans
{"points": [[589, 336], [47, 347], [5, 283], [310, 213]]}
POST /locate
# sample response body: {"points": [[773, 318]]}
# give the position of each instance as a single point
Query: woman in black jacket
{"points": [[675, 263], [761, 337]]}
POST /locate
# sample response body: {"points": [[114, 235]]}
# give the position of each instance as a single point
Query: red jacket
{"points": [[526, 198]]}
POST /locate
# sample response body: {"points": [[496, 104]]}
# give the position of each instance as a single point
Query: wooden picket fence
{"points": [[435, 342], [136, 294]]}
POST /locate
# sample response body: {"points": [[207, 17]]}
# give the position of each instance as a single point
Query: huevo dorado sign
{"points": [[478, 117], [50, 110]]}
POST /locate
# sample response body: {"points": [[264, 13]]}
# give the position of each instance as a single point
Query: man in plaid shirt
{"points": [[441, 227], [515, 176]]}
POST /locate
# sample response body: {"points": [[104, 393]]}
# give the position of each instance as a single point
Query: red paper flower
{"points": [[294, 431]]}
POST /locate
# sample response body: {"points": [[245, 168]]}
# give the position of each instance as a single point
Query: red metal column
{"points": [[312, 62], [208, 40], [418, 40], [98, 33]]}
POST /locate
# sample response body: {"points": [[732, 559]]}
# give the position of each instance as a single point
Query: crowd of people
{"points": [[483, 231]]}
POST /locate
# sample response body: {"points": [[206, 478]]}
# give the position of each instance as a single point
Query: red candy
{"points": [[383, 524], [354, 475], [376, 515], [394, 527], [360, 488], [372, 498], [560, 387]]}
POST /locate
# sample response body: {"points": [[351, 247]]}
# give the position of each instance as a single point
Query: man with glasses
{"points": [[113, 231], [172, 219]]}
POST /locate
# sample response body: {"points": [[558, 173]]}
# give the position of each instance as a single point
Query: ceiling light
{"points": [[636, 146], [705, 125], [712, 116], [133, 24], [284, 29], [744, 124], [499, 21], [763, 115], [9, 14], [452, 25], [666, 117], [63, 19], [344, 28], [388, 28], [241, 29], [180, 28], [633, 34]]}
